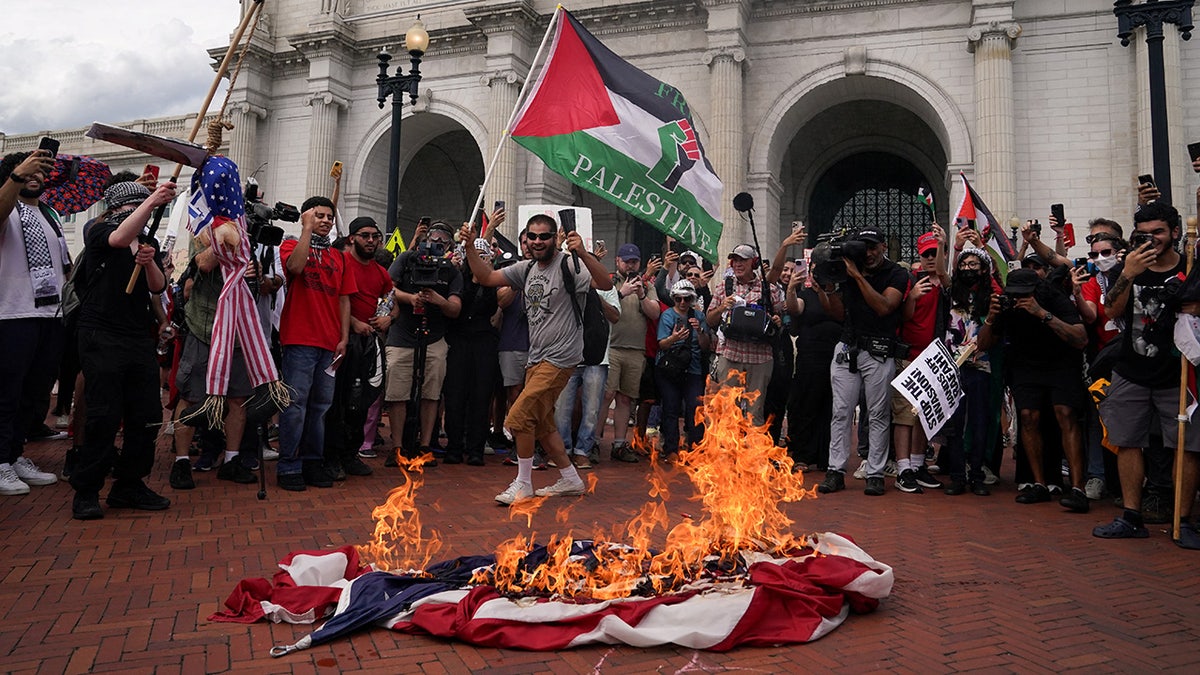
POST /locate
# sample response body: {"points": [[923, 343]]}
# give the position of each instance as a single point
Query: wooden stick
{"points": [[1184, 367], [250, 17]]}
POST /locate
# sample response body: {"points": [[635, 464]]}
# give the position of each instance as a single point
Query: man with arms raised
{"points": [[555, 344]]}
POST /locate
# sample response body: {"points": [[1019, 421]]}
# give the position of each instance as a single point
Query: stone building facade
{"points": [[827, 111]]}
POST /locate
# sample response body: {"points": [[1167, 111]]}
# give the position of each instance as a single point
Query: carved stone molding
{"points": [[248, 108], [1006, 29], [735, 54], [506, 76], [855, 60], [327, 98]]}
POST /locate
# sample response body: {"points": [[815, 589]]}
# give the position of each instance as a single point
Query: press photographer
{"points": [[869, 304], [1045, 339], [428, 292]]}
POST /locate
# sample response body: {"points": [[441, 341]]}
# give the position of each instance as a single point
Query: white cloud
{"points": [[71, 62]]}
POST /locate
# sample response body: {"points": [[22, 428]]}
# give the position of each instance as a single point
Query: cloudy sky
{"points": [[68, 63]]}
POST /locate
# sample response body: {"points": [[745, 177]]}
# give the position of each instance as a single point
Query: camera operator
{"points": [[428, 292], [751, 351], [1146, 374], [870, 305], [1045, 338]]}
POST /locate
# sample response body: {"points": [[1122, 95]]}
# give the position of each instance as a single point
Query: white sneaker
{"points": [[270, 454], [891, 468], [989, 478], [861, 472], [1094, 488], [517, 490], [62, 422], [564, 487], [10, 484], [29, 474]]}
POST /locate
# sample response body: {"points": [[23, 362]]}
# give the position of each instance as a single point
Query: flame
{"points": [[739, 479], [399, 542]]}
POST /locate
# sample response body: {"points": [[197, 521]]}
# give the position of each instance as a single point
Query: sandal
{"points": [[1120, 528]]}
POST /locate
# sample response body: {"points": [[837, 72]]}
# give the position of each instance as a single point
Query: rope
{"points": [[215, 126]]}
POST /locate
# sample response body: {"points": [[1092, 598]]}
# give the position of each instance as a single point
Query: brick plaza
{"points": [[982, 583]]}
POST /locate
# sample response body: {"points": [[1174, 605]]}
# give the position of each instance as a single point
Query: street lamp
{"points": [[1153, 14], [416, 41]]}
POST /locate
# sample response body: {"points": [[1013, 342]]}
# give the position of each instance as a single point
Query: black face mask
{"points": [[970, 277]]}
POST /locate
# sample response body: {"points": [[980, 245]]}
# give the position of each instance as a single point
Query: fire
{"points": [[739, 478], [399, 542]]}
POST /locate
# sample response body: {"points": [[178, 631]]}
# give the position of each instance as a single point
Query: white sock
{"points": [[183, 458], [570, 473], [902, 464], [230, 454], [525, 469], [917, 461]]}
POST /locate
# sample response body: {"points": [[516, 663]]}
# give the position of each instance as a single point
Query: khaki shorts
{"points": [[533, 411], [625, 368], [903, 412], [400, 372]]}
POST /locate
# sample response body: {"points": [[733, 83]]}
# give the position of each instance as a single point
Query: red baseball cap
{"points": [[926, 242]]}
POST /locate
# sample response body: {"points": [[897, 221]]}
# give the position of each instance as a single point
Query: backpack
{"points": [[77, 286], [591, 316]]}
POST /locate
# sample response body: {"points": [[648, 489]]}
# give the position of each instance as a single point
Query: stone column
{"points": [[321, 142], [995, 166], [505, 85], [726, 138], [244, 136]]}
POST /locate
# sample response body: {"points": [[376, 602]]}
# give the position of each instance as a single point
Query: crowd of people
{"points": [[474, 346]]}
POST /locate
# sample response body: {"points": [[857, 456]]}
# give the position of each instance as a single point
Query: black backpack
{"points": [[591, 317]]}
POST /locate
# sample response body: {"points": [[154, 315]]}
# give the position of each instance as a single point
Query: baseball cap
{"points": [[629, 252], [743, 251], [1022, 281], [1034, 259], [361, 222], [926, 242], [870, 234]]}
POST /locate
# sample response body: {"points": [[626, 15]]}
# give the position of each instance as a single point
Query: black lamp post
{"points": [[416, 41], [1153, 14]]}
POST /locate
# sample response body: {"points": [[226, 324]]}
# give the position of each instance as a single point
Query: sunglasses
{"points": [[540, 236], [692, 275], [373, 235], [684, 298], [1102, 252], [929, 254]]}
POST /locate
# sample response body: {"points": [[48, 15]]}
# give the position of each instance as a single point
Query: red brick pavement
{"points": [[981, 583]]}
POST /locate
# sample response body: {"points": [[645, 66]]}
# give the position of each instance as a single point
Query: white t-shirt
{"points": [[16, 287]]}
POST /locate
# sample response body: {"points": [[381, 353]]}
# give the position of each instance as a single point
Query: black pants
{"points": [[467, 392], [810, 409], [31, 350], [778, 390], [352, 398], [121, 377]]}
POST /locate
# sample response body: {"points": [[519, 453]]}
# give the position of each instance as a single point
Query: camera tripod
{"points": [[412, 422]]}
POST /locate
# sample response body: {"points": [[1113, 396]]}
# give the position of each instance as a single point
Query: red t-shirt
{"points": [[918, 331], [311, 315], [1105, 329], [373, 283]]}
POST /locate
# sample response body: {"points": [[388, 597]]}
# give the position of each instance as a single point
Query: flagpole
{"points": [[504, 134]]}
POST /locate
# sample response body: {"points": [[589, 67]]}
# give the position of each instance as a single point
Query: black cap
{"points": [[1035, 259], [1022, 282], [361, 222], [870, 234]]}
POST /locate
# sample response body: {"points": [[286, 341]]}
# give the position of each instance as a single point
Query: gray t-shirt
{"points": [[555, 335]]}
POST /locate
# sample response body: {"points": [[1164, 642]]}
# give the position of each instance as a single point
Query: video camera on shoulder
{"points": [[832, 250], [260, 217], [428, 266]]}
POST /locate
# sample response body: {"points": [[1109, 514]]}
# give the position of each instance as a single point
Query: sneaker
{"points": [[10, 483], [476, 460], [356, 467], [70, 460], [834, 481], [861, 472], [335, 470], [517, 491], [1033, 493], [62, 422], [956, 487], [980, 489], [30, 474], [1055, 490], [1066, 469], [593, 455], [45, 433], [893, 469], [563, 487], [292, 482], [580, 461], [989, 478], [926, 479], [621, 452], [1120, 528], [907, 482], [1075, 501], [874, 487], [314, 474], [181, 475], [1094, 488], [234, 471], [86, 507], [248, 461], [367, 453], [1156, 510], [510, 460], [1189, 538], [269, 454], [205, 463], [135, 495]]}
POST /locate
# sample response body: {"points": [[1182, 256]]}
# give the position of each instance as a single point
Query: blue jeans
{"points": [[302, 424], [680, 398], [587, 382]]}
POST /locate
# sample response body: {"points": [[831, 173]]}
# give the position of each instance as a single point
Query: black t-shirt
{"points": [[1148, 354], [1032, 344], [403, 332], [816, 332], [861, 320], [478, 305], [106, 305]]}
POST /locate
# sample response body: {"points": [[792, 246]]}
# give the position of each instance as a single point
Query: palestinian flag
{"points": [[972, 212], [619, 133], [925, 196]]}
